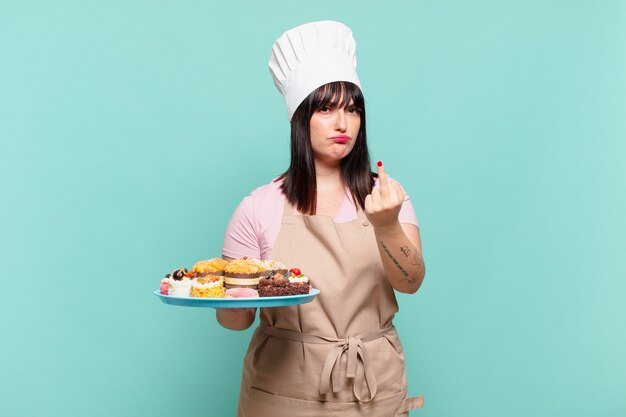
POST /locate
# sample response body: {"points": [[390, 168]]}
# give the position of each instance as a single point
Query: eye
{"points": [[353, 110], [325, 109]]}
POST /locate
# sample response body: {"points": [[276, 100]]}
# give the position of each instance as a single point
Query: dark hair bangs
{"points": [[340, 94]]}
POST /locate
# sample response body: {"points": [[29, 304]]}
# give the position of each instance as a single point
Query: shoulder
{"points": [[255, 219], [268, 191], [264, 203], [267, 196]]}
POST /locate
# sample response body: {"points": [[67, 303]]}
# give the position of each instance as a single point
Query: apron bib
{"points": [[339, 354]]}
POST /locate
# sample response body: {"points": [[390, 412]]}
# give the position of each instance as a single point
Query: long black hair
{"points": [[300, 185]]}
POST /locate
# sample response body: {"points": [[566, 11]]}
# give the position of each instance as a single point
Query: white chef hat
{"points": [[309, 56]]}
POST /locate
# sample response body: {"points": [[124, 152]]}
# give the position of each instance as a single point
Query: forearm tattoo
{"points": [[415, 259], [395, 261]]}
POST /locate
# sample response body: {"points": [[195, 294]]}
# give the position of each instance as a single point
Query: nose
{"points": [[341, 121]]}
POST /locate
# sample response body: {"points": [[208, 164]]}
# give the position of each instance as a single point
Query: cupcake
{"points": [[241, 273], [263, 265], [179, 283], [276, 267], [267, 267], [213, 266], [209, 286]]}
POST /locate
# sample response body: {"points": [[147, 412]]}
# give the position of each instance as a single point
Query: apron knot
{"points": [[358, 367]]}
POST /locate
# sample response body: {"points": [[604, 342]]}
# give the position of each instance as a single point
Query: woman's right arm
{"points": [[240, 238], [235, 318]]}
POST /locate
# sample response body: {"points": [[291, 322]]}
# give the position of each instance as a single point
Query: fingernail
{"points": [[379, 163]]}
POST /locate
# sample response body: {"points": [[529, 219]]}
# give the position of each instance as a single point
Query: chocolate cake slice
{"points": [[278, 285]]}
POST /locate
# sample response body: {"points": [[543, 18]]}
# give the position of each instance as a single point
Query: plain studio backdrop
{"points": [[130, 130]]}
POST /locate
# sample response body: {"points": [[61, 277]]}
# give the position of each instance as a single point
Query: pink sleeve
{"points": [[407, 212], [240, 238]]}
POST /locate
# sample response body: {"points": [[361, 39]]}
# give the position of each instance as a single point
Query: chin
{"points": [[336, 158]]}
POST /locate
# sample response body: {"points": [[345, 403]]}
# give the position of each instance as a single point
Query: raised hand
{"points": [[383, 205]]}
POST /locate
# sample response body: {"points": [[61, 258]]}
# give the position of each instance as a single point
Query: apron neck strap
{"points": [[289, 209]]}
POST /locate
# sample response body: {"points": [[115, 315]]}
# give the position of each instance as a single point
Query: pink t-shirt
{"points": [[255, 224]]}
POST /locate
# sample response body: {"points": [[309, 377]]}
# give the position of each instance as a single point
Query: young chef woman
{"points": [[352, 232]]}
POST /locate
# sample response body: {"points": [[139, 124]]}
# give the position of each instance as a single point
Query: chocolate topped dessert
{"points": [[279, 285]]}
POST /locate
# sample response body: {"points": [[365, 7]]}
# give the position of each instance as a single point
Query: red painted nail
{"points": [[379, 163]]}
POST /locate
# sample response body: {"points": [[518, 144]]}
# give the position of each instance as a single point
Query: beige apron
{"points": [[340, 354]]}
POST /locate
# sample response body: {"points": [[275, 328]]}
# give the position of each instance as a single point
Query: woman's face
{"points": [[334, 131]]}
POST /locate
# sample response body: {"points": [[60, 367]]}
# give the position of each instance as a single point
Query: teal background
{"points": [[129, 132]]}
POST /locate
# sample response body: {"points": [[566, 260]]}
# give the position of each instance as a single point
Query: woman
{"points": [[352, 232]]}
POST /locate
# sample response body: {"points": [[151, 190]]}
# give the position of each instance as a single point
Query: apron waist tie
{"points": [[358, 365]]}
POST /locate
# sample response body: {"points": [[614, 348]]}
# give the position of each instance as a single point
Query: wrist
{"points": [[390, 229]]}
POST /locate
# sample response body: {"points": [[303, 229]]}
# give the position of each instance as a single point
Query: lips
{"points": [[341, 139]]}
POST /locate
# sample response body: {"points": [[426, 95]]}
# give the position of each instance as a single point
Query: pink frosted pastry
{"points": [[241, 293], [164, 285]]}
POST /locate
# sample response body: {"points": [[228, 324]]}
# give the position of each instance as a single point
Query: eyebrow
{"points": [[336, 103]]}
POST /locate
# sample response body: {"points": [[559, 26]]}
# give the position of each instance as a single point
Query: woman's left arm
{"points": [[399, 245]]}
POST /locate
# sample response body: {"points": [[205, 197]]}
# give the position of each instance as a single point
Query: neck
{"points": [[328, 176]]}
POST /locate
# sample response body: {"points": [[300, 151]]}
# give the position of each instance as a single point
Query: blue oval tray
{"points": [[287, 300]]}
